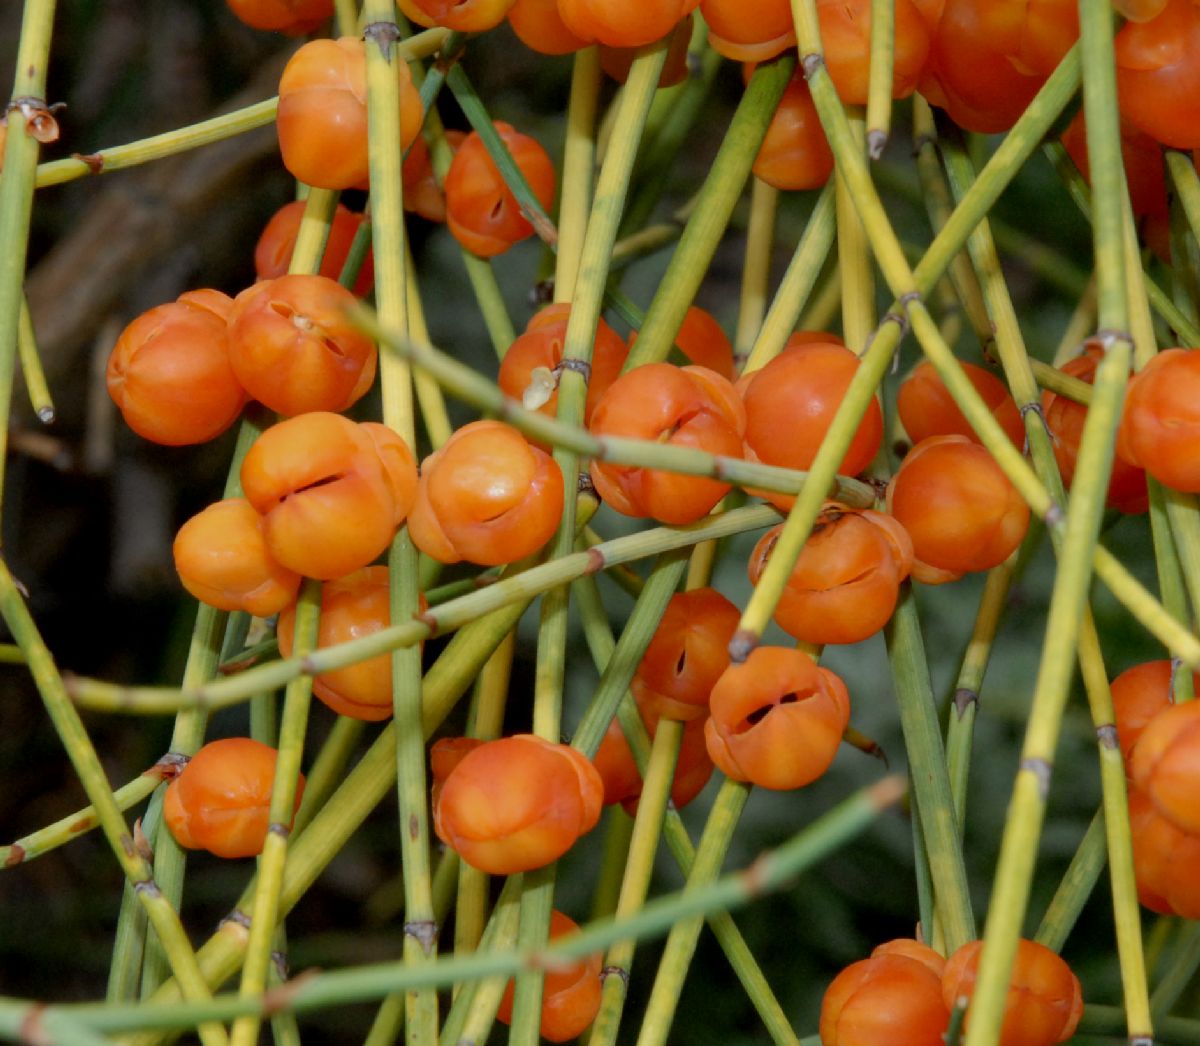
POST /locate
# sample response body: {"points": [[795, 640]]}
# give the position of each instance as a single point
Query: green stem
{"points": [[263, 929], [681, 942], [931, 780], [714, 206], [770, 871]]}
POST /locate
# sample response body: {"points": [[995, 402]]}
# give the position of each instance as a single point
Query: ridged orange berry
{"points": [[791, 402], [1165, 764], [170, 372], [958, 507], [686, 656], [618, 769], [273, 252], [352, 607], [1044, 1002], [776, 719], [329, 502], [294, 348], [322, 119], [927, 409], [293, 17], [517, 804], [1158, 74], [680, 406], [542, 346], [795, 153], [487, 496], [570, 995], [463, 16], [1166, 860], [893, 997], [749, 30], [222, 559], [846, 580], [1160, 423], [1139, 694], [623, 23], [1127, 490], [481, 211], [540, 27], [221, 801]]}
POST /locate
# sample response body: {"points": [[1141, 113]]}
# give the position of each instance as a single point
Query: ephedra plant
{"points": [[592, 617]]}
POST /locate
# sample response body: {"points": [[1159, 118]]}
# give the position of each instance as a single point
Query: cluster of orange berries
{"points": [[904, 993], [324, 496]]}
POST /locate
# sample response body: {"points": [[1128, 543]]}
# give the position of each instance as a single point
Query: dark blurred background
{"points": [[90, 512]]}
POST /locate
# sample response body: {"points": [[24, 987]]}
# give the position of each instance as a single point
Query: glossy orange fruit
{"points": [[222, 559], [273, 253], [570, 995], [927, 409], [294, 348], [1044, 1002], [170, 371], [847, 577], [221, 801], [488, 496], [481, 211], [517, 804], [322, 118], [776, 719], [679, 406]]}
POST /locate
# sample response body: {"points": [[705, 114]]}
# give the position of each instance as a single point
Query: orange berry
{"points": [[791, 402], [794, 154], [273, 253], [749, 30], [352, 607], [847, 577], [294, 348], [702, 342], [481, 210], [1044, 1002], [1166, 860], [776, 719], [423, 193], [1139, 693], [293, 17], [322, 119], [927, 409], [542, 346], [487, 496], [618, 770], [958, 507], [894, 997], [221, 801], [617, 61], [540, 27], [517, 804], [170, 372], [990, 57], [222, 559], [1158, 73], [680, 406], [686, 656], [1064, 419], [463, 16], [846, 38], [1160, 423], [570, 994], [623, 23], [1165, 764], [328, 501]]}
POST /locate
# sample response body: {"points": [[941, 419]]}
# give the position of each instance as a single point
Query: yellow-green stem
{"points": [[292, 730]]}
